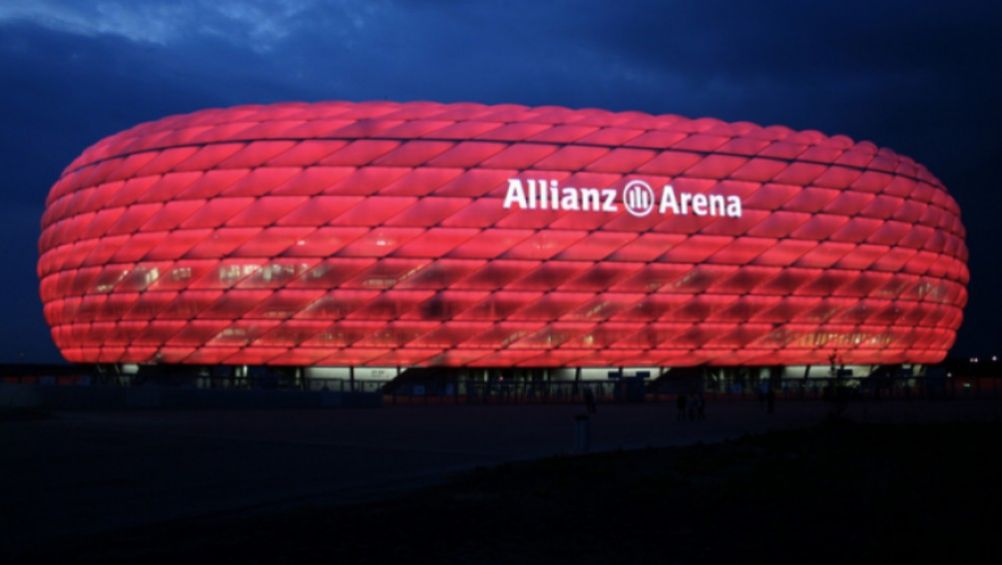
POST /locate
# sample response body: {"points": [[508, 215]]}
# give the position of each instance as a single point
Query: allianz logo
{"points": [[637, 197]]}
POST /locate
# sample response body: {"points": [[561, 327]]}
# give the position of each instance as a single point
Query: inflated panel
{"points": [[464, 234]]}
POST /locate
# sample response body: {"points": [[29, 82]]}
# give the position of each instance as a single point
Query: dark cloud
{"points": [[921, 77]]}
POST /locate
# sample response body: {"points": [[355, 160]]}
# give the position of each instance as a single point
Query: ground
{"points": [[812, 490]]}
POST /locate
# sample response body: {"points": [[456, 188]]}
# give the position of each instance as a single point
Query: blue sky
{"points": [[921, 77]]}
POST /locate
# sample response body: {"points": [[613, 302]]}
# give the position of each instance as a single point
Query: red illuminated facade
{"points": [[388, 234]]}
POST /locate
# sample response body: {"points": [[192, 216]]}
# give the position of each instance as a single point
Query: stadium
{"points": [[371, 239]]}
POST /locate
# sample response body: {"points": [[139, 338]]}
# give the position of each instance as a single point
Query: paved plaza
{"points": [[75, 473]]}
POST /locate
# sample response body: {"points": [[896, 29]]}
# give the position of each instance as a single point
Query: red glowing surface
{"points": [[374, 234]]}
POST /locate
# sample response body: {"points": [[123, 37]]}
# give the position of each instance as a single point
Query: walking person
{"points": [[680, 402]]}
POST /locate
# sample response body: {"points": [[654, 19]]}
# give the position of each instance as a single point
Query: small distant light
{"points": [[995, 358], [974, 359], [949, 375]]}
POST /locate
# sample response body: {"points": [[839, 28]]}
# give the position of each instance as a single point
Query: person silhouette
{"points": [[589, 398], [680, 402]]}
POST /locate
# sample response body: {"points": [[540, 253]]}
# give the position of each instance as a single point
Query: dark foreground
{"points": [[837, 492]]}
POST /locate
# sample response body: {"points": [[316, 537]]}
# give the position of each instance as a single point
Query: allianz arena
{"points": [[383, 234]]}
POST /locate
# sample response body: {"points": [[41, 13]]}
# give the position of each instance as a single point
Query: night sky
{"points": [[924, 78]]}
